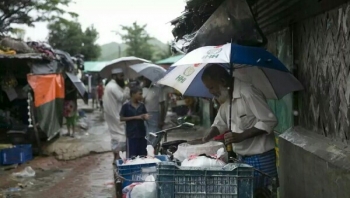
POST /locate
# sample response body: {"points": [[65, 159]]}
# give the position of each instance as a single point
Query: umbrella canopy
{"points": [[270, 75], [79, 86], [122, 63], [151, 71]]}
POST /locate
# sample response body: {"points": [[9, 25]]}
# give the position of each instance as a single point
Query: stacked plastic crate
{"points": [[18, 154], [231, 181]]}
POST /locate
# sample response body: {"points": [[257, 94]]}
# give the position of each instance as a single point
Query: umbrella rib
{"points": [[273, 88]]}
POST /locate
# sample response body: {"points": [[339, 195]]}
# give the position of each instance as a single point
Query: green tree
{"points": [[21, 12], [90, 49], [68, 36], [19, 33], [137, 39], [163, 54]]}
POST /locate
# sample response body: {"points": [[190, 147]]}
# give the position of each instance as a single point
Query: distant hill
{"points": [[115, 50]]}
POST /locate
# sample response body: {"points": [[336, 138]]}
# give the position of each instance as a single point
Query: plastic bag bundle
{"points": [[140, 160], [186, 150], [147, 189], [27, 172], [205, 161]]}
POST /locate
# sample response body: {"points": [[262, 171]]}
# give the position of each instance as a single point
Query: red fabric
{"points": [[100, 92], [220, 137]]}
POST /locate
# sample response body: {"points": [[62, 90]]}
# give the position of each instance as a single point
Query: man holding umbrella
{"points": [[115, 94], [252, 122]]}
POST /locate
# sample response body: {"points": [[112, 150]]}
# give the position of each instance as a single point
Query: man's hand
{"points": [[234, 137]]}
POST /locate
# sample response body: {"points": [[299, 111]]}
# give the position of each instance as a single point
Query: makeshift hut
{"points": [[33, 77]]}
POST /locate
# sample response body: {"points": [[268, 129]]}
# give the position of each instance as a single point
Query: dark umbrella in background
{"points": [[210, 23]]}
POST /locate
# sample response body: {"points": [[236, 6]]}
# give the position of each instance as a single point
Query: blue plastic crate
{"points": [[231, 181], [135, 173], [19, 154]]}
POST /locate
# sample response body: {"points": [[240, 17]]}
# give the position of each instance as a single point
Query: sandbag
{"points": [[140, 160], [147, 189], [205, 161], [186, 150]]}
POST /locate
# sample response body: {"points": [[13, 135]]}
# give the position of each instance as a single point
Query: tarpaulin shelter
{"points": [[48, 101], [48, 84], [41, 73]]}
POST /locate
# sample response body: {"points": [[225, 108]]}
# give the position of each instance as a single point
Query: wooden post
{"points": [[32, 120]]}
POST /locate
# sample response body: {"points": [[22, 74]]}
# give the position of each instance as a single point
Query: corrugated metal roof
{"points": [[273, 15], [170, 60]]}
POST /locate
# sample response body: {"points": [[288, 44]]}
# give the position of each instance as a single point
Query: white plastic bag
{"points": [[140, 160], [186, 150], [147, 189], [205, 161], [27, 172], [84, 123], [122, 155]]}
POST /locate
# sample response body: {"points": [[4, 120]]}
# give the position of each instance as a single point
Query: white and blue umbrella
{"points": [[251, 64]]}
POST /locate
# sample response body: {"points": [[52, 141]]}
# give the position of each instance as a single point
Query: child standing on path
{"points": [[70, 108], [134, 113]]}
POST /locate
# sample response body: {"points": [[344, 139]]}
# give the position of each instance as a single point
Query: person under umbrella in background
{"points": [[253, 122], [134, 113], [94, 97], [154, 99], [115, 95], [100, 90], [192, 103]]}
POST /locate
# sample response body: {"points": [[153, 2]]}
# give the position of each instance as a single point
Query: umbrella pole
{"points": [[229, 149], [230, 96]]}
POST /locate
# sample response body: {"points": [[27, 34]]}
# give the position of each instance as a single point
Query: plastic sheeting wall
{"points": [[280, 44]]}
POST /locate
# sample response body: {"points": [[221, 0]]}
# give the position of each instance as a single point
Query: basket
{"points": [[137, 172], [19, 154], [231, 181]]}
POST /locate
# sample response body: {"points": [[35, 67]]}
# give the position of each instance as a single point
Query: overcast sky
{"points": [[108, 15]]}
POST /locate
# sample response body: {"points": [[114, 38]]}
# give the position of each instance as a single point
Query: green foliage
{"points": [[19, 33], [137, 39], [112, 51], [20, 12], [115, 50], [68, 36], [163, 54], [90, 50]]}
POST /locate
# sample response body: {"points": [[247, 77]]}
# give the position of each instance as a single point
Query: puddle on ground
{"points": [[29, 186], [88, 177]]}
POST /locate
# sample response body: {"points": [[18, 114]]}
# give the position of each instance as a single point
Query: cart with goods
{"points": [[168, 178], [234, 180]]}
